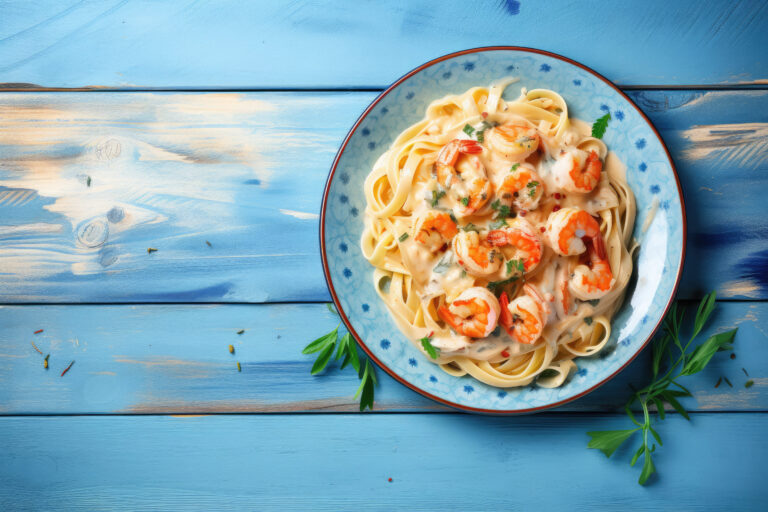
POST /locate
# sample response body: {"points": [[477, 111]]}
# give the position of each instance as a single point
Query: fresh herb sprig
{"points": [[683, 360], [346, 351], [599, 126]]}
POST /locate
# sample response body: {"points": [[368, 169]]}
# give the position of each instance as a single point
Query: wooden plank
{"points": [[174, 359], [344, 462], [245, 172], [114, 43]]}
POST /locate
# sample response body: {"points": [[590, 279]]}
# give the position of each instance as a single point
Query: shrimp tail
{"points": [[505, 317]]}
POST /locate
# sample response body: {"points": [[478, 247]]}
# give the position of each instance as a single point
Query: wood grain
{"points": [[168, 359], [89, 182], [318, 44], [343, 462]]}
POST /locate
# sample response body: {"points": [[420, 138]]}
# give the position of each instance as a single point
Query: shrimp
{"points": [[518, 241], [593, 279], [474, 313], [434, 230], [577, 171], [523, 318], [475, 254], [566, 229], [466, 180], [522, 187], [563, 300], [515, 141]]}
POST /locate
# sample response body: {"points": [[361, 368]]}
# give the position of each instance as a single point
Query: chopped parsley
{"points": [[515, 264], [514, 168], [403, 237], [532, 188], [498, 224], [588, 320], [468, 130], [453, 217], [436, 196], [502, 209], [470, 227], [444, 264], [465, 201], [599, 126], [433, 351], [493, 285]]}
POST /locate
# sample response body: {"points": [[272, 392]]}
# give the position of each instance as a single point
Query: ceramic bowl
{"points": [[650, 173]]}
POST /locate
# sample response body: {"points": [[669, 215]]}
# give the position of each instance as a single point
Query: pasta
{"points": [[500, 232]]}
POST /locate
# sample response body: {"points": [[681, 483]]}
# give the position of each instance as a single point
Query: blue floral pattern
{"points": [[649, 174]]}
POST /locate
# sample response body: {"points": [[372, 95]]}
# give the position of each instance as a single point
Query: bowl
{"points": [[650, 174]]}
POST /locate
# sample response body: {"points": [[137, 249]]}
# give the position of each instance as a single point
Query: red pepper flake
{"points": [[38, 331], [389, 479], [557, 195], [556, 207], [505, 353], [522, 213], [718, 382], [67, 368], [484, 114], [733, 356], [542, 229]]}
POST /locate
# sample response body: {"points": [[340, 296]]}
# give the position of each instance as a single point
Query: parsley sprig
{"points": [[430, 349], [599, 126], [664, 387], [346, 351]]}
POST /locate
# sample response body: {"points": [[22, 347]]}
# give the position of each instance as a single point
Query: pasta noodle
{"points": [[500, 232]]}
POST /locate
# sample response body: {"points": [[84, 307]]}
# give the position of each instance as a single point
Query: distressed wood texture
{"points": [[90, 181], [343, 462], [166, 359], [179, 43]]}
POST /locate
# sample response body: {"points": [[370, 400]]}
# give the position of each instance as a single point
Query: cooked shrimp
{"points": [[434, 230], [577, 171], [594, 279], [563, 299], [524, 317], [475, 254], [465, 179], [515, 141], [522, 187], [518, 241], [566, 229], [474, 313]]}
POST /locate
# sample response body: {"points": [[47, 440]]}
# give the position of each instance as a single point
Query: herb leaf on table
{"points": [[346, 351], [664, 386]]}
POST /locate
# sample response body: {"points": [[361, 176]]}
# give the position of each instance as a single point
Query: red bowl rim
{"points": [[326, 269]]}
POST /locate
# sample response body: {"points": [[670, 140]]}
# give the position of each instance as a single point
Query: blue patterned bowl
{"points": [[631, 135]]}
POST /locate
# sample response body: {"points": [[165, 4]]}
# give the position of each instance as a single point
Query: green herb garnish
{"points": [[453, 217], [498, 224], [468, 130], [514, 167], [346, 350], [502, 209], [599, 126], [403, 237], [436, 196], [588, 320], [664, 387], [532, 188], [480, 136], [515, 265], [493, 285], [465, 201], [433, 351], [749, 383], [470, 227], [330, 307]]}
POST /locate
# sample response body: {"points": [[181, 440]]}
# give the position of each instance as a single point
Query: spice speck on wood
{"points": [[150, 250], [241, 331], [38, 331], [238, 366], [231, 349]]}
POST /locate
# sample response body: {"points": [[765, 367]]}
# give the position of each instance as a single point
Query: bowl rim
{"points": [[324, 256]]}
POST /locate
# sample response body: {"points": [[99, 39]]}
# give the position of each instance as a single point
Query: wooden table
{"points": [[206, 130]]}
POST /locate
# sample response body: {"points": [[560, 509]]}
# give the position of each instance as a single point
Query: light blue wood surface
{"points": [[244, 171], [335, 462], [230, 44], [174, 359]]}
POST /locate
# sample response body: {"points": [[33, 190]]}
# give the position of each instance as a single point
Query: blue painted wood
{"points": [[116, 43], [343, 462], [246, 171], [174, 359]]}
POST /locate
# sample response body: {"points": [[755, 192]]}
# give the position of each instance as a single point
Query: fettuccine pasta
{"points": [[500, 232]]}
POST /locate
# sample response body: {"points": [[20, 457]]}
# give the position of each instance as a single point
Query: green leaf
{"points": [[343, 346], [599, 126], [433, 351], [607, 441], [514, 167], [704, 352], [322, 360], [330, 307], [637, 454], [321, 342], [659, 407], [354, 357], [465, 201], [403, 237], [468, 130], [669, 397], [365, 391], [436, 196], [655, 435], [498, 224], [648, 468], [705, 309]]}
